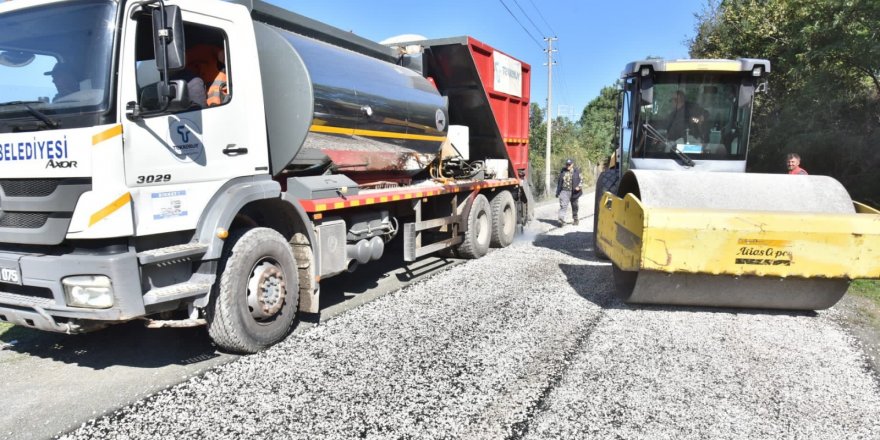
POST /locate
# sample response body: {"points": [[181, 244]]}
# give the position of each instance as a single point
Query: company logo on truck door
{"points": [[54, 150], [186, 142]]}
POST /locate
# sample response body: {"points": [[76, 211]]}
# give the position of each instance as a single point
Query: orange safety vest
{"points": [[218, 91], [201, 59]]}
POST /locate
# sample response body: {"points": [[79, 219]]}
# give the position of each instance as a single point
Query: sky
{"points": [[596, 38]]}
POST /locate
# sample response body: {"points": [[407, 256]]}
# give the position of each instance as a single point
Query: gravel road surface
{"points": [[53, 382], [528, 342]]}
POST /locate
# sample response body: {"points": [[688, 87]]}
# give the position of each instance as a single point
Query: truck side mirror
{"points": [[152, 101], [180, 100], [168, 38]]}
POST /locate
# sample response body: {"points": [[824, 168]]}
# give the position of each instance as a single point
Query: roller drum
{"points": [[734, 192], [737, 191], [650, 287]]}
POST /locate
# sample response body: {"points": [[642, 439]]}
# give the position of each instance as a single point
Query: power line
{"points": [[552, 32], [550, 64], [527, 16], [521, 25], [559, 72]]}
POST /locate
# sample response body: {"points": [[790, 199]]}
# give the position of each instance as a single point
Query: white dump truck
{"points": [[204, 162]]}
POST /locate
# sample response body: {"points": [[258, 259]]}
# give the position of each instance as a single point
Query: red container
{"points": [[509, 100]]}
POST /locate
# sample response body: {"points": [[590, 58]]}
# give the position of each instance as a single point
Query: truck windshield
{"points": [[698, 114], [55, 60]]}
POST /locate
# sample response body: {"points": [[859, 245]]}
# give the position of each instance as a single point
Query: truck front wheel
{"points": [[255, 298]]}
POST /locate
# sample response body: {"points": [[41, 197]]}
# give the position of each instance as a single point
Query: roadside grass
{"points": [[4, 328], [13, 334], [867, 289], [869, 311]]}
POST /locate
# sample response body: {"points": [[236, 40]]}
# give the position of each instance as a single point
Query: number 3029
{"points": [[157, 178]]}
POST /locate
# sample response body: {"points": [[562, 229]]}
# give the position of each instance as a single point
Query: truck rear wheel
{"points": [[255, 298], [503, 219], [479, 230], [608, 181]]}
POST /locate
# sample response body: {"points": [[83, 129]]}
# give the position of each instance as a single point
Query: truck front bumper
{"points": [[40, 302]]}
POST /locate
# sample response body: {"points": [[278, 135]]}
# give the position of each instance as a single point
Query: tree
{"points": [[537, 145], [586, 141], [824, 98], [597, 123]]}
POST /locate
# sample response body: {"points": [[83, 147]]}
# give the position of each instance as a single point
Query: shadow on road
{"points": [[132, 344], [578, 244], [129, 344], [554, 223], [340, 288]]}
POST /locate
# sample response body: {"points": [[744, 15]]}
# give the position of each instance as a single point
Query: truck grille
{"points": [[26, 291], [29, 187], [38, 211], [26, 220]]}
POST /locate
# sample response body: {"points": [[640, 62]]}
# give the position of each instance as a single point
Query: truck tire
{"points": [[254, 301], [608, 181], [503, 219], [479, 230]]}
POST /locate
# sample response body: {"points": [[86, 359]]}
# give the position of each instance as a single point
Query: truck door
{"points": [[176, 161]]}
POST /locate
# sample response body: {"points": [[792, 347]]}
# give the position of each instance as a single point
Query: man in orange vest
{"points": [[218, 90], [208, 63]]}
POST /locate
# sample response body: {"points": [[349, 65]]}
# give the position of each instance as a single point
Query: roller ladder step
{"points": [[172, 254]]}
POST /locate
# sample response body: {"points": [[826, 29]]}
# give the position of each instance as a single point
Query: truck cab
{"points": [[93, 159]]}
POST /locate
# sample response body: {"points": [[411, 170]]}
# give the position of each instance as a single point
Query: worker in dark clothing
{"points": [[568, 190], [64, 77], [686, 119]]}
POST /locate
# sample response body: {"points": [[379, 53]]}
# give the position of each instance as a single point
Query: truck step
{"points": [[172, 254], [176, 291]]}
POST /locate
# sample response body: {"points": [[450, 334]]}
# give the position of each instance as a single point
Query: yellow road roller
{"points": [[683, 224]]}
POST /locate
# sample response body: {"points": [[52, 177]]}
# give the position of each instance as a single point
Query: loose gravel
{"points": [[665, 373], [527, 342]]}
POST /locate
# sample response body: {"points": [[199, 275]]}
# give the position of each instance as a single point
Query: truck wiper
{"points": [[657, 136], [33, 112], [684, 157], [11, 103], [654, 135]]}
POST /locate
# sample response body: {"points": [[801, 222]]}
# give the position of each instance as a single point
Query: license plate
{"points": [[9, 275]]}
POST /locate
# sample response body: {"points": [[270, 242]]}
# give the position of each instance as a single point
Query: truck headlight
{"points": [[92, 291]]}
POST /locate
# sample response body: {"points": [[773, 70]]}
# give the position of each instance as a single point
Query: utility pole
{"points": [[550, 51]]}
